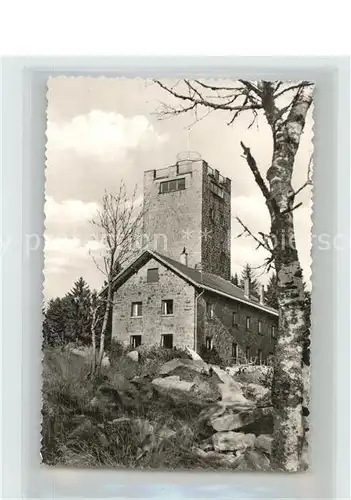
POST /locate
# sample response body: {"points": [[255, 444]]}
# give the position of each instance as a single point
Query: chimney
{"points": [[262, 294], [184, 257], [247, 288]]}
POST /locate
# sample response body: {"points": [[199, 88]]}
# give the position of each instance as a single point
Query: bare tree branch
{"points": [[297, 86], [201, 101], [260, 243], [259, 180]]}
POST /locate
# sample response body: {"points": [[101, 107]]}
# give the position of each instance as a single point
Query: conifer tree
{"points": [[55, 325], [271, 293], [254, 284], [235, 279], [80, 315]]}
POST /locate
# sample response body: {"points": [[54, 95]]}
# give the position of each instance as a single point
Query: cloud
{"points": [[69, 211], [104, 135]]}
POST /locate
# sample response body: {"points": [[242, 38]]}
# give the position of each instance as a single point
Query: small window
{"points": [[248, 323], [259, 356], [259, 327], [235, 319], [180, 183], [209, 344], [210, 310], [235, 352], [273, 332], [137, 309], [248, 355], [217, 190], [221, 218], [135, 341], [212, 214], [152, 275], [167, 341], [167, 307]]}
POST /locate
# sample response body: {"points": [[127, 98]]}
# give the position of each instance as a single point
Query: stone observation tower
{"points": [[187, 214]]}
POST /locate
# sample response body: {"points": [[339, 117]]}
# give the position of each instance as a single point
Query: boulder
{"points": [[256, 374], [214, 457], [105, 397], [211, 412], [231, 419], [257, 461], [197, 366], [165, 433], [105, 362], [87, 353], [264, 443], [233, 441], [204, 390], [207, 444], [133, 355], [223, 375], [194, 355], [83, 431], [172, 383], [232, 394], [123, 385], [121, 420], [255, 391]]}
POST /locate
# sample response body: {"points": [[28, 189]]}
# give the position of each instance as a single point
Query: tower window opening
{"points": [[173, 185], [217, 190]]}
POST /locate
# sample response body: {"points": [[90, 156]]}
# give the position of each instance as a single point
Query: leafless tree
{"points": [[284, 106], [117, 222]]}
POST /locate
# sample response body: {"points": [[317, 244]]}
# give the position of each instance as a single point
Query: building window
{"points": [[152, 275], [248, 323], [248, 355], [273, 332], [259, 326], [210, 310], [174, 185], [217, 190], [259, 356], [137, 309], [167, 307], [184, 167], [212, 214], [167, 341], [209, 344], [221, 218], [135, 341], [235, 319], [235, 352]]}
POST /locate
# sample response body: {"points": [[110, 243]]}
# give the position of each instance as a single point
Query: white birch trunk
{"points": [[289, 387]]}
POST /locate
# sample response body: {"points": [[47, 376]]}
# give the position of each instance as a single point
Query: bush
{"points": [[211, 356]]}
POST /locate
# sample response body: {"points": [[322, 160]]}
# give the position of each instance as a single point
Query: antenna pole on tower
{"points": [[189, 136]]}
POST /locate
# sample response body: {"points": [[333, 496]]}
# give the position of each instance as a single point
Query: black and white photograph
{"points": [[177, 276]]}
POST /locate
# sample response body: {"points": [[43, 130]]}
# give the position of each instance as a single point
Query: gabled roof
{"points": [[199, 279]]}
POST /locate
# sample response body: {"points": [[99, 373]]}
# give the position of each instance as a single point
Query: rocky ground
{"points": [[144, 412]]}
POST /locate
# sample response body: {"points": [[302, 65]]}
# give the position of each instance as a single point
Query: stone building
{"points": [[178, 292]]}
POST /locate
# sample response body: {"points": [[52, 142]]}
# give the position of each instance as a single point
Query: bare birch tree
{"points": [[117, 223], [284, 106]]}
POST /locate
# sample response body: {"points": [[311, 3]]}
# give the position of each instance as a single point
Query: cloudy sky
{"points": [[101, 130]]}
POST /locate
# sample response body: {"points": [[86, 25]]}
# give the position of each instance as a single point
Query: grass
{"points": [[76, 434]]}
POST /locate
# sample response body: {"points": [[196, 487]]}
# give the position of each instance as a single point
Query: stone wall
{"points": [[216, 225], [153, 324], [224, 333]]}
